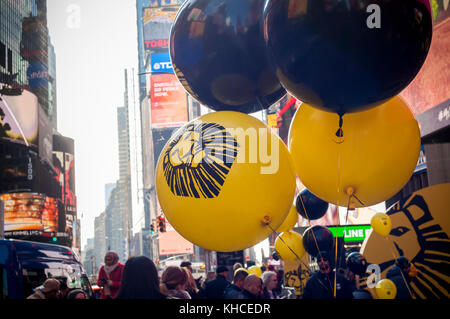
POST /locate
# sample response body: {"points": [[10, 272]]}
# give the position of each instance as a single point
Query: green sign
{"points": [[351, 233]]}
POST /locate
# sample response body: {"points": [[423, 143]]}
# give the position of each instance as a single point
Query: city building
{"points": [[100, 240]]}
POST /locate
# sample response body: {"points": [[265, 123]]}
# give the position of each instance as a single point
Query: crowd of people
{"points": [[138, 278]]}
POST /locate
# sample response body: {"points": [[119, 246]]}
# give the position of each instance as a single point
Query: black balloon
{"points": [[332, 55], [218, 53], [315, 207], [317, 237], [357, 263]]}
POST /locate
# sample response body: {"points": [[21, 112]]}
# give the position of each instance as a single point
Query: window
{"points": [[2, 55]]}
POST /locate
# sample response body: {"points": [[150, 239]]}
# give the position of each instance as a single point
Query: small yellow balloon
{"points": [[290, 220], [381, 224], [386, 289], [221, 176], [239, 269], [373, 160], [255, 270], [290, 241]]}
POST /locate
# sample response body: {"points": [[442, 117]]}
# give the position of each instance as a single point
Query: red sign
{"points": [[168, 101], [156, 44]]}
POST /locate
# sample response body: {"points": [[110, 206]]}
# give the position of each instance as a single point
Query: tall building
{"points": [[100, 240], [108, 189]]}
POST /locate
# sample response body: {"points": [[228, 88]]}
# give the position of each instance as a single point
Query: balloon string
{"points": [[345, 223], [401, 271], [278, 235], [340, 132]]}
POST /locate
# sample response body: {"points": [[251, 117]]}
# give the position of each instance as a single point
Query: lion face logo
{"points": [[198, 160], [417, 235]]}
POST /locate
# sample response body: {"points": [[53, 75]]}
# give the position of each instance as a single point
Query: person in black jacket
{"points": [[399, 275], [232, 290], [214, 289], [321, 284]]}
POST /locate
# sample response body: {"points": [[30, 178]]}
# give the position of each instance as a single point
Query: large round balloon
{"points": [[217, 185], [290, 221], [317, 238], [218, 54], [289, 245], [357, 263], [255, 270], [373, 161], [314, 206], [347, 56]]}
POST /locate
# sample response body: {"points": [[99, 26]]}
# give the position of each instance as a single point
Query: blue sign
{"points": [[161, 63], [422, 161], [37, 74]]}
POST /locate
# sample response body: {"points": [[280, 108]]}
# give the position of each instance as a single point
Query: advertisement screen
{"points": [[168, 101], [157, 24], [64, 163], [19, 119], [35, 216], [171, 242], [160, 137], [431, 86], [161, 63]]}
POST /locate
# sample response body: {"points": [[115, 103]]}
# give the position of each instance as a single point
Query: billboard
{"points": [[19, 119], [431, 86], [168, 101], [157, 24], [171, 242], [64, 163], [161, 63], [34, 216], [160, 137]]}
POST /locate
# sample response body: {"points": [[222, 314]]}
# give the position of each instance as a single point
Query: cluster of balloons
{"points": [[346, 61]]}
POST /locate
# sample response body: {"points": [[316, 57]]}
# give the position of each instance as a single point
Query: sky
{"points": [[94, 40]]}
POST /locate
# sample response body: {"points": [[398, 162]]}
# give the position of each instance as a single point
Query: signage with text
{"points": [[351, 233]]}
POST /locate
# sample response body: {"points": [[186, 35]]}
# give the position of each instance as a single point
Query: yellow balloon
{"points": [[290, 241], [386, 289], [220, 176], [381, 224], [255, 270], [374, 160], [290, 220]]}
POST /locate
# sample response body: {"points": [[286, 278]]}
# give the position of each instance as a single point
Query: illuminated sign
{"points": [[161, 63], [351, 233]]}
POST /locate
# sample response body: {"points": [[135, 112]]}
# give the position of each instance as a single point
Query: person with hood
{"points": [[110, 276], [401, 274]]}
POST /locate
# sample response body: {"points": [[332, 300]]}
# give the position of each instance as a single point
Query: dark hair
{"points": [[172, 277], [74, 292], [139, 280], [240, 275], [186, 263]]}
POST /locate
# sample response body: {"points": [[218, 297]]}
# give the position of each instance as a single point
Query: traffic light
{"points": [[161, 224], [152, 229]]}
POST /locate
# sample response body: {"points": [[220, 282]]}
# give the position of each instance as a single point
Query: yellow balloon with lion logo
{"points": [[373, 160], [220, 176], [290, 220], [255, 270], [386, 289], [289, 245]]}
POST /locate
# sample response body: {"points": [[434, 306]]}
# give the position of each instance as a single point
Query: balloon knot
{"points": [[266, 220]]}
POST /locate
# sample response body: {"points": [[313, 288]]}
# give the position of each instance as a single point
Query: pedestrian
{"points": [[110, 276], [76, 294], [187, 264], [270, 283], [252, 288], [48, 290], [215, 288], [321, 284], [233, 290], [191, 285], [173, 283], [140, 280], [400, 275]]}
